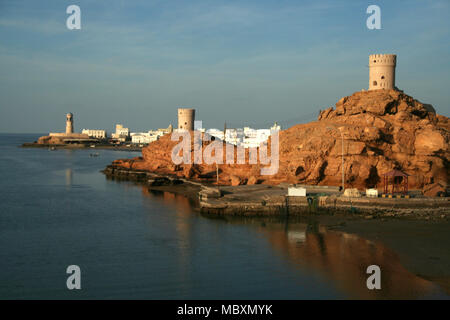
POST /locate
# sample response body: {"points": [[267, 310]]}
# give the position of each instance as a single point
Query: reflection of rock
{"points": [[382, 130], [343, 258], [69, 176]]}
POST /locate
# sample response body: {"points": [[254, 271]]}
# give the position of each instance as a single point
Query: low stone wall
{"points": [[300, 206]]}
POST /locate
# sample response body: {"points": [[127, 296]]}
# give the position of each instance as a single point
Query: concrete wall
{"points": [[382, 71], [186, 118], [69, 136]]}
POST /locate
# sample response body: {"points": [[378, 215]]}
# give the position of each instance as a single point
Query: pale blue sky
{"points": [[244, 62]]}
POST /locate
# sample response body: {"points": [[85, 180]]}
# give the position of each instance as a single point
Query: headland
{"points": [[379, 131]]}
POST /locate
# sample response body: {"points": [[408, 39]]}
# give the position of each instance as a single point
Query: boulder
{"points": [[235, 180], [430, 141], [252, 180], [434, 190]]}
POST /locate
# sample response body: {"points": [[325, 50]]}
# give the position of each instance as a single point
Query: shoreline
{"points": [[80, 146], [268, 200]]}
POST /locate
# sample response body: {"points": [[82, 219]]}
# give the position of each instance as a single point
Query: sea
{"points": [[58, 210]]}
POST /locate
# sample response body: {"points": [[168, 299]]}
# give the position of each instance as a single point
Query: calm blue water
{"points": [[57, 209]]}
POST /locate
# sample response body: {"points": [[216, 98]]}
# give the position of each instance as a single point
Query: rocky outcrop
{"points": [[380, 130], [435, 190], [397, 132], [50, 140], [59, 138]]}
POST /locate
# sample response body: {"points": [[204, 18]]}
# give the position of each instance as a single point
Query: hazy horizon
{"points": [[240, 62]]}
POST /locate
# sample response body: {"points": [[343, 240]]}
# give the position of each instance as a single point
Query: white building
{"points": [[246, 137], [143, 138], [157, 133], [94, 133], [147, 137], [121, 133], [215, 133]]}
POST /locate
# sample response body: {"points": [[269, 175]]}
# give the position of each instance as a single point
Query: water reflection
{"points": [[343, 259], [69, 176], [340, 257], [182, 204]]}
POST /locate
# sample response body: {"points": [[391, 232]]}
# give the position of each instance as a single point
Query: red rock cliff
{"points": [[382, 130]]}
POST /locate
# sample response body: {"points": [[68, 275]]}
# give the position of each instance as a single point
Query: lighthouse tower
{"points": [[382, 71], [69, 123]]}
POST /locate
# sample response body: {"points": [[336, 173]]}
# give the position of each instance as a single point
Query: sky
{"points": [[241, 62]]}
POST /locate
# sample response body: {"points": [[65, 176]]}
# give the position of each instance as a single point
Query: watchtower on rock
{"points": [[382, 71], [186, 118]]}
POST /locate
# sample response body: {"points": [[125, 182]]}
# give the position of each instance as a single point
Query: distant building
{"points": [[246, 137], [169, 129], [254, 137], [235, 136], [93, 133], [143, 138], [121, 134], [150, 136], [215, 133]]}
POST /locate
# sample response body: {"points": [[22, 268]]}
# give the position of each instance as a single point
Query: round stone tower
{"points": [[186, 118], [382, 71], [69, 123]]}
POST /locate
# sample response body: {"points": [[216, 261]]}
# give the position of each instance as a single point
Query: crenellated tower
{"points": [[382, 71]]}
